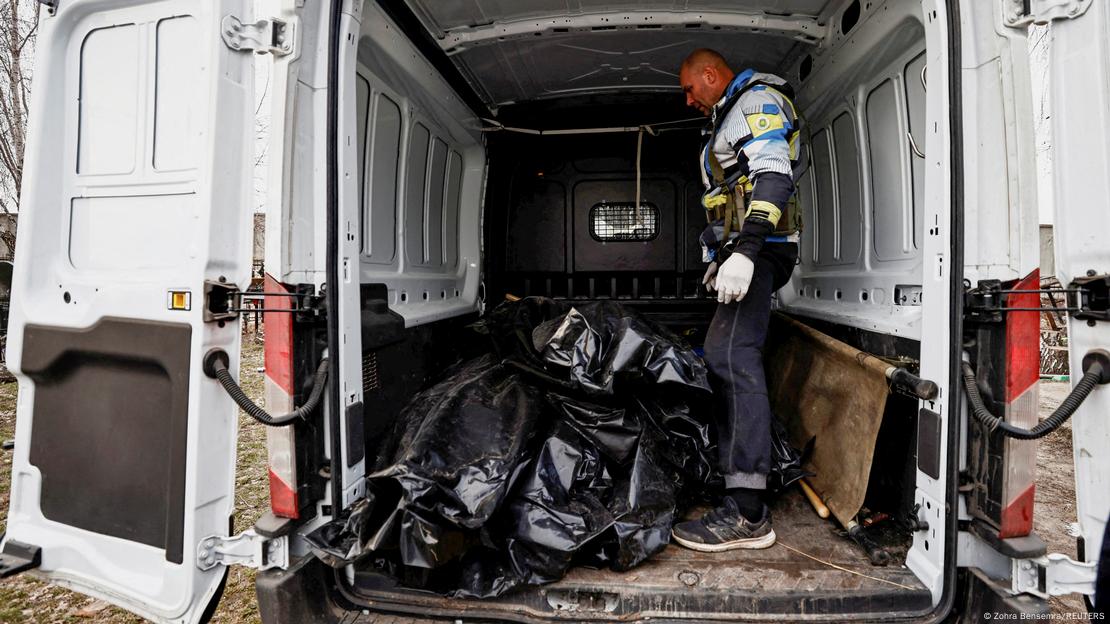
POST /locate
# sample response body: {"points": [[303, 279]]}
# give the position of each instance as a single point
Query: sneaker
{"points": [[724, 528]]}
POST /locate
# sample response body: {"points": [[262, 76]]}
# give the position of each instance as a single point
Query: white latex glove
{"points": [[734, 278], [709, 280]]}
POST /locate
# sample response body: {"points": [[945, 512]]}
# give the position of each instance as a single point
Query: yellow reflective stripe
{"points": [[762, 123], [764, 210]]}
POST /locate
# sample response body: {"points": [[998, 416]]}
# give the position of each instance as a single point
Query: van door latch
{"points": [[265, 36], [1021, 13], [219, 300], [1054, 574], [1092, 299], [246, 549]]}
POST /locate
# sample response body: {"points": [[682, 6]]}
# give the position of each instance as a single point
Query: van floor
{"points": [[680, 583]]}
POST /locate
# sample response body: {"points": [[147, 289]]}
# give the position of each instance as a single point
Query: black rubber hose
{"points": [[1094, 375], [215, 365]]}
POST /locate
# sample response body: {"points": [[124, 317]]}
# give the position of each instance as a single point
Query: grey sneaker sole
{"points": [[750, 543]]}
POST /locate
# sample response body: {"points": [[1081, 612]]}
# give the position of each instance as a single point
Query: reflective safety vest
{"points": [[731, 190]]}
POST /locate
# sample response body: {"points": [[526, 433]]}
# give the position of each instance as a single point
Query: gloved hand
{"points": [[734, 278], [709, 280]]}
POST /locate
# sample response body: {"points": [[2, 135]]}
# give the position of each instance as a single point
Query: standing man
{"points": [[752, 245]]}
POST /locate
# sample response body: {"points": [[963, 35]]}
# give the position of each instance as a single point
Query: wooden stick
{"points": [[814, 499]]}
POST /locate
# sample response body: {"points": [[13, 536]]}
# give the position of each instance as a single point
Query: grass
{"points": [[26, 599]]}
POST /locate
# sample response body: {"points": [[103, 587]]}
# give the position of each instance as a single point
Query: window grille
{"points": [[620, 221]]}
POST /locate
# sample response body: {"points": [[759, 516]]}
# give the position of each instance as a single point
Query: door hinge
{"points": [[265, 36], [223, 301], [246, 549], [1086, 298], [1054, 574], [1021, 13]]}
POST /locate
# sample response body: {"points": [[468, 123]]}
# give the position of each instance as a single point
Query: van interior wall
{"points": [[561, 219], [399, 362], [862, 197]]}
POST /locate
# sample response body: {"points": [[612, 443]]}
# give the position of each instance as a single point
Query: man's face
{"points": [[703, 87]]}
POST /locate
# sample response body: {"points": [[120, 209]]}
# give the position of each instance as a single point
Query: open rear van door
{"points": [[134, 225], [1080, 102]]}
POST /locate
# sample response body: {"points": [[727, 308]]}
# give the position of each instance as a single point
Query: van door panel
{"points": [[1079, 92], [137, 186]]}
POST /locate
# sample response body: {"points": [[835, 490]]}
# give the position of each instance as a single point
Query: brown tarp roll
{"points": [[833, 394]]}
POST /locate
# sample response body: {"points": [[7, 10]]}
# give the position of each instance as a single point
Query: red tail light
{"points": [[1022, 374], [280, 441]]}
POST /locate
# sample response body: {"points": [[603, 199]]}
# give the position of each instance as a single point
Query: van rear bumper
{"points": [[978, 595], [300, 593], [305, 593]]}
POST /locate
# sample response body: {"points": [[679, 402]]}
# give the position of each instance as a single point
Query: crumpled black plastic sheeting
{"points": [[786, 461], [573, 443]]}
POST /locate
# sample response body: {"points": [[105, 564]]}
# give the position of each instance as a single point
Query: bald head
{"points": [[704, 57], [704, 76]]}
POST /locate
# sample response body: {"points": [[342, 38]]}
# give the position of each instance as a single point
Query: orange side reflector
{"points": [[180, 300]]}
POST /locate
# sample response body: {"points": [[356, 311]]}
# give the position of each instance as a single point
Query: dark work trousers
{"points": [[734, 354]]}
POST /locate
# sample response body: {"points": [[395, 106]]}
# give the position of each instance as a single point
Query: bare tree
{"points": [[19, 22]]}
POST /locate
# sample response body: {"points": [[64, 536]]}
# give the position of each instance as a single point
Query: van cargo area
{"points": [[540, 196], [555, 223], [435, 168]]}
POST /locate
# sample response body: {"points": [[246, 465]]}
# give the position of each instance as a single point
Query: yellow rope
{"points": [[843, 569]]}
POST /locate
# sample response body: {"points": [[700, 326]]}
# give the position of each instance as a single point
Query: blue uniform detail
{"points": [[769, 109], [738, 82]]}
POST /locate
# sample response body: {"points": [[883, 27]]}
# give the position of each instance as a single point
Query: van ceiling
{"points": [[519, 50]]}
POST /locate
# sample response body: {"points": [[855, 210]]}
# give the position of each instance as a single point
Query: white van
{"points": [[398, 212]]}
